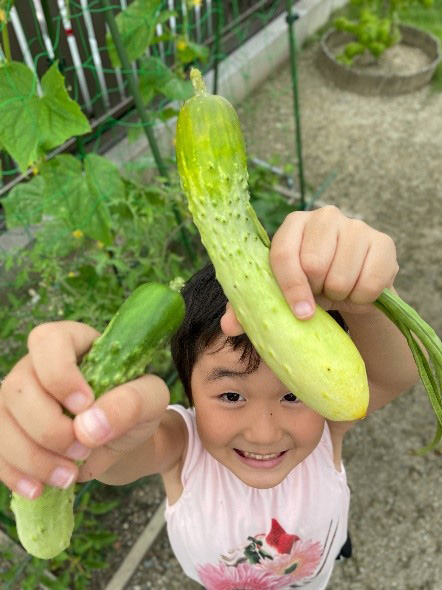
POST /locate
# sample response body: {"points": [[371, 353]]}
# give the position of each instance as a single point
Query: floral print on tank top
{"points": [[274, 561]]}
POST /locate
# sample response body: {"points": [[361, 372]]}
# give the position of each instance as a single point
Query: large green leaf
{"points": [[81, 195], [30, 125], [24, 204], [136, 25]]}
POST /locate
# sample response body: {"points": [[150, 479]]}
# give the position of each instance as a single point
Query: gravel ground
{"points": [[387, 152], [387, 155]]}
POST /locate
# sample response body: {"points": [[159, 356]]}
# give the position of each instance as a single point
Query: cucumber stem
{"points": [[197, 81], [415, 329]]}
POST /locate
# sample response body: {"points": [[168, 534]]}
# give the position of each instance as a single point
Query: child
{"points": [[256, 492]]}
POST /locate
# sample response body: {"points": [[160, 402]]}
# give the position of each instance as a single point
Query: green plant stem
{"points": [[417, 332], [412, 320], [146, 122], [5, 42]]}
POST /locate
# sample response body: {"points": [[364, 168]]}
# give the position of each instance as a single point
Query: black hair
{"points": [[205, 305]]}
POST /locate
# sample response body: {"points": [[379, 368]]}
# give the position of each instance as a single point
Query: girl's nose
{"points": [[263, 429]]}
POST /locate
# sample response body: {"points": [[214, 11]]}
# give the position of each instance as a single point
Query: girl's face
{"points": [[243, 417]]}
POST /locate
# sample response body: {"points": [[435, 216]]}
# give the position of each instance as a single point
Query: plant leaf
{"points": [[136, 25], [61, 116], [82, 197], [177, 89], [30, 125], [153, 74], [187, 51], [24, 204]]}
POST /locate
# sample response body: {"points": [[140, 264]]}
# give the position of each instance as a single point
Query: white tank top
{"points": [[226, 534]]}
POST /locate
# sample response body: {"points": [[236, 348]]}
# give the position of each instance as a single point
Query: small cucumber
{"points": [[142, 325], [315, 359]]}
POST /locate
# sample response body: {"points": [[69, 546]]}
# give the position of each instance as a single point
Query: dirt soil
{"points": [[386, 153]]}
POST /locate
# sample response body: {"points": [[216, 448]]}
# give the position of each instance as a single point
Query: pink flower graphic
{"points": [[300, 563], [242, 577]]}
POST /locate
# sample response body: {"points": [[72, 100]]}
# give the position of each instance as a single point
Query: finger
{"points": [[229, 322], [319, 245], [119, 410], [351, 251], [286, 265], [24, 399], [24, 486], [54, 349], [31, 459], [379, 271]]}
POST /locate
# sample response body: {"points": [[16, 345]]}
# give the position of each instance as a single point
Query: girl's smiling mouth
{"points": [[260, 461]]}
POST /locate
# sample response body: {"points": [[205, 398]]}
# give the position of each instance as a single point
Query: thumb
{"points": [[120, 410]]}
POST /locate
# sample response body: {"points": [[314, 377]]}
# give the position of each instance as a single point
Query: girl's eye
{"points": [[289, 397], [231, 397]]}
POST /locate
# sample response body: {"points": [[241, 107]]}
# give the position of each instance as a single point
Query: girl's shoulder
{"points": [[183, 419], [337, 432]]}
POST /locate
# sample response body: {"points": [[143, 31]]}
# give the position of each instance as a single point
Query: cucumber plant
{"points": [[375, 28]]}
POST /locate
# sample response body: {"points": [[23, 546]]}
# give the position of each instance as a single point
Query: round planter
{"points": [[376, 83]]}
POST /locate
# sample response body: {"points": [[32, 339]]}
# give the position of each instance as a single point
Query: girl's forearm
{"points": [[387, 356]]}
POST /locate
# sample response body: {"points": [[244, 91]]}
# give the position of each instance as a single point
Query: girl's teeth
{"points": [[260, 457]]}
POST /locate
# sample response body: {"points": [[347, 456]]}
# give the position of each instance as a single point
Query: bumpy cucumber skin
{"points": [[142, 325], [315, 359]]}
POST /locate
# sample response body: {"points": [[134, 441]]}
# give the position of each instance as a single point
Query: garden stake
{"points": [[139, 105], [291, 18], [217, 44]]}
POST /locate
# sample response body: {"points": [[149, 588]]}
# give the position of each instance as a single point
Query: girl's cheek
{"points": [[214, 428]]}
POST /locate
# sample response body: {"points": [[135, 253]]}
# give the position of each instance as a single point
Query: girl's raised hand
{"points": [[324, 257], [39, 443]]}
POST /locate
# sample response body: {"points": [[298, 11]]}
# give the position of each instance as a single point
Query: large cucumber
{"points": [[142, 325], [316, 359]]}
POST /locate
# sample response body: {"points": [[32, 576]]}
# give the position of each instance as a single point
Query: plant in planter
{"points": [[375, 28]]}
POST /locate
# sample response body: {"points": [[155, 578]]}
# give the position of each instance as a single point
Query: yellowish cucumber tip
{"points": [[197, 81]]}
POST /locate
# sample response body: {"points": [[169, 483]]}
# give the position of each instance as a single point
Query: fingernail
{"points": [[26, 488], [78, 451], [77, 402], [302, 309], [62, 478], [94, 424]]}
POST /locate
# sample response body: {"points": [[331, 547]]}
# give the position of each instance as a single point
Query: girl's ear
{"points": [[229, 323]]}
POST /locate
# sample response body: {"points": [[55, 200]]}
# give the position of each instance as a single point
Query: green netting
{"points": [[89, 93]]}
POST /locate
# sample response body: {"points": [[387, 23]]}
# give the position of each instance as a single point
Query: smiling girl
{"points": [[257, 496]]}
